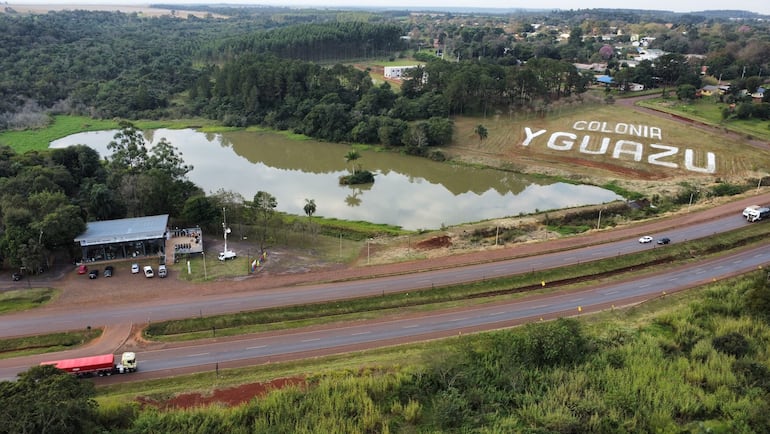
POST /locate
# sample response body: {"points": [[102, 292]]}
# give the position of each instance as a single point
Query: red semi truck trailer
{"points": [[105, 364]]}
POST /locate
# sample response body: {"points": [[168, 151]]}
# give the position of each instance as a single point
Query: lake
{"points": [[411, 192]]}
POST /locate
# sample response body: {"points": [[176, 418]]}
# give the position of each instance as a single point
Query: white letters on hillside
{"points": [[621, 148]]}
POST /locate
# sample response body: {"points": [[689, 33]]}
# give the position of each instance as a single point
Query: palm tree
{"points": [[309, 211], [352, 156]]}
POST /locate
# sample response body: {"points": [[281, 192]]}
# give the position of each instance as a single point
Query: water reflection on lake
{"points": [[411, 192]]}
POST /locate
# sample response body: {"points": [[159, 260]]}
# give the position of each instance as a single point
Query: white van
{"points": [[749, 210]]}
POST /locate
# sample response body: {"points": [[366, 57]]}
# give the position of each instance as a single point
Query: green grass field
{"points": [[62, 126], [709, 111], [23, 299]]}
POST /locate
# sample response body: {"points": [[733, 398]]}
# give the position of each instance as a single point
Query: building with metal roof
{"points": [[124, 238], [604, 79]]}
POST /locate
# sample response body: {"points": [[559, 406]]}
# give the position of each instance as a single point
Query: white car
{"points": [[162, 271], [645, 239], [134, 268], [148, 271], [227, 254]]}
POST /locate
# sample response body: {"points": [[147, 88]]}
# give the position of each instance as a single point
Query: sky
{"points": [[758, 6]]}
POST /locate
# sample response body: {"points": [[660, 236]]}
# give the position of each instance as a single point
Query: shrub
{"points": [[754, 374], [450, 408], [732, 343], [554, 343], [360, 177], [726, 189]]}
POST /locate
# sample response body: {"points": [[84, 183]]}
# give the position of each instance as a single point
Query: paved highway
{"points": [[446, 323], [343, 337], [53, 319]]}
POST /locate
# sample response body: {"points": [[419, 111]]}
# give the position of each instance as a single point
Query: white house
{"points": [[396, 72], [649, 54]]}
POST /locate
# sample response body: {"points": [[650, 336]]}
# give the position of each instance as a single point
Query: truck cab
{"points": [[127, 363]]}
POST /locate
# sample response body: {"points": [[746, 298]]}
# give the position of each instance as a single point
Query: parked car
{"points": [[16, 277], [83, 269], [148, 271], [227, 254], [134, 268], [93, 274], [645, 239], [162, 271], [108, 271], [664, 240]]}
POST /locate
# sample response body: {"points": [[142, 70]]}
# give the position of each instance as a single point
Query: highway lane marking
{"points": [[360, 333], [645, 285], [700, 271], [198, 355], [498, 313], [311, 340], [458, 319], [410, 326], [611, 292], [256, 348]]}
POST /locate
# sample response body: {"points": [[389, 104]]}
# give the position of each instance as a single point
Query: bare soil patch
{"points": [[230, 397], [435, 242]]}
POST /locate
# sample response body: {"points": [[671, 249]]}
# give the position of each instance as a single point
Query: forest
{"points": [[306, 71], [275, 66], [301, 71]]}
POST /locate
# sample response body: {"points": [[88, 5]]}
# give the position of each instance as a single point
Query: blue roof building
{"points": [[604, 79], [124, 238]]}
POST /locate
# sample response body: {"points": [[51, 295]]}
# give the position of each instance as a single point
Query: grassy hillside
{"points": [[734, 157]]}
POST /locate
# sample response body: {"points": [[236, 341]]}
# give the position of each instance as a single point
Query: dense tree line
{"points": [[123, 65], [111, 64], [99, 63], [318, 42], [340, 103], [47, 198], [337, 103]]}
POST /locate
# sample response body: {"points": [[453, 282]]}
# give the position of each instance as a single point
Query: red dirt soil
{"points": [[435, 243], [231, 397]]}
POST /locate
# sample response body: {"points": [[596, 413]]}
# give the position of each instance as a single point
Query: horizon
{"points": [[682, 6]]}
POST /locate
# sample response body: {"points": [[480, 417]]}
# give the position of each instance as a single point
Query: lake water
{"points": [[411, 192]]}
